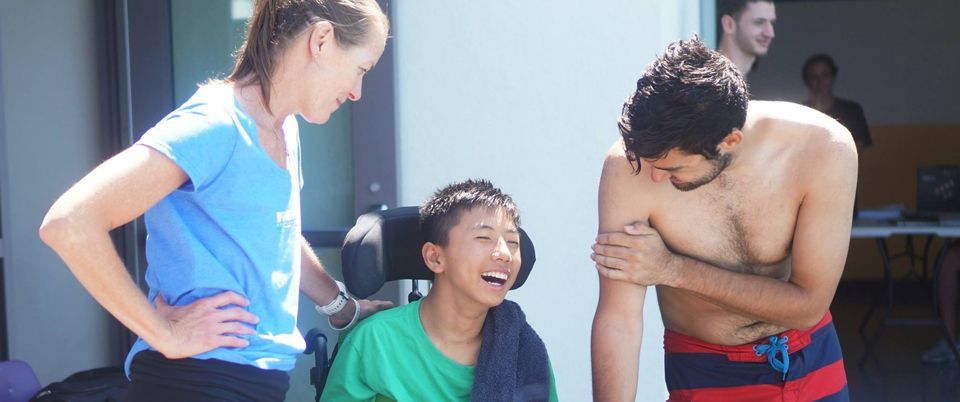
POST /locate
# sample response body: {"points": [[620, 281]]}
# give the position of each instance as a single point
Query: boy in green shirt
{"points": [[462, 341]]}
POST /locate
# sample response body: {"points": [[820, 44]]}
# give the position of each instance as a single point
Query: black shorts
{"points": [[153, 377]]}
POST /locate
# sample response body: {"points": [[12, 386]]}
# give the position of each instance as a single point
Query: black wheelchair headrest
{"points": [[386, 246]]}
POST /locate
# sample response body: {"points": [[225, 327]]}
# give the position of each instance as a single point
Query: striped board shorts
{"points": [[793, 366]]}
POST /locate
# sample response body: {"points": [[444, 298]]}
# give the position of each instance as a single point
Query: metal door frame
{"points": [[4, 224]]}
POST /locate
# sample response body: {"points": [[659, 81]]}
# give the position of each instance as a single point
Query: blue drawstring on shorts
{"points": [[775, 347]]}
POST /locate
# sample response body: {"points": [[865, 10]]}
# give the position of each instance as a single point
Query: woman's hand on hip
{"points": [[206, 324]]}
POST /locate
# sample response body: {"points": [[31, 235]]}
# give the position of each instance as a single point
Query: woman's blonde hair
{"points": [[275, 23]]}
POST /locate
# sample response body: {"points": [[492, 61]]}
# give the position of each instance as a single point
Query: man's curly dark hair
{"points": [[689, 99]]}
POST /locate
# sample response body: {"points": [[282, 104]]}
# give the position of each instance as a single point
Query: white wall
{"points": [[527, 95], [51, 127], [899, 59]]}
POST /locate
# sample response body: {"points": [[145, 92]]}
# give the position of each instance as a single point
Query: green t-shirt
{"points": [[388, 357]]}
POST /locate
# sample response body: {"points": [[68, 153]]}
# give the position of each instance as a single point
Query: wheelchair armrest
{"points": [[317, 344]]}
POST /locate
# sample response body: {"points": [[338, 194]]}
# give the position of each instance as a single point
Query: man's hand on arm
{"points": [[641, 259], [637, 255]]}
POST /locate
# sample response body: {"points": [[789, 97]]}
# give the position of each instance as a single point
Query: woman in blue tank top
{"points": [[218, 181]]}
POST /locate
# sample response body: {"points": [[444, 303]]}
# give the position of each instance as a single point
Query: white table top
{"points": [[869, 229]]}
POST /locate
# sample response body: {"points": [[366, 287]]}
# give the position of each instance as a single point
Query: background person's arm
{"points": [[618, 323], [861, 129], [77, 227]]}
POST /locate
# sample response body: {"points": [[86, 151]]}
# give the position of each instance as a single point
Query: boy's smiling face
{"points": [[481, 258]]}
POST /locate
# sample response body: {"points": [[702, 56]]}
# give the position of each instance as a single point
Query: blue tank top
{"points": [[234, 225]]}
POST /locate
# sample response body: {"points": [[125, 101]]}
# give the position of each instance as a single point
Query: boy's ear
{"points": [[431, 256]]}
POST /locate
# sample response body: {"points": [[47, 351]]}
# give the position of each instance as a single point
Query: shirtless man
{"points": [[746, 30], [739, 213]]}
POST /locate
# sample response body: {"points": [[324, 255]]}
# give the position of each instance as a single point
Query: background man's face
{"points": [[755, 28], [820, 78]]}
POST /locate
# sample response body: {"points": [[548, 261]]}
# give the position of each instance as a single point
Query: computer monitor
{"points": [[938, 189]]}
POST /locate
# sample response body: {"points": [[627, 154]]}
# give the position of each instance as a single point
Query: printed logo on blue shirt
{"points": [[286, 219]]}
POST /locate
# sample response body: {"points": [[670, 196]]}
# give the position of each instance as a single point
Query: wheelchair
{"points": [[386, 246]]}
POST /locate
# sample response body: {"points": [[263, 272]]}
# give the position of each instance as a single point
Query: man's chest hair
{"points": [[742, 231]]}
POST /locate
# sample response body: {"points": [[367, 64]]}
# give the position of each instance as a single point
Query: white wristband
{"points": [[337, 304], [356, 316]]}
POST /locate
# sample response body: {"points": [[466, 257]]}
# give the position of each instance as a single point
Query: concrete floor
{"points": [[895, 373]]}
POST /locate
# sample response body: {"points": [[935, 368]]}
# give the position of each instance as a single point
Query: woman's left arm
{"points": [[317, 284]]}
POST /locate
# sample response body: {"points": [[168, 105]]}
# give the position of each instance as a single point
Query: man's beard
{"points": [[719, 165]]}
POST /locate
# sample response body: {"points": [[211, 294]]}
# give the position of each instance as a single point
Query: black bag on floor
{"points": [[107, 384]]}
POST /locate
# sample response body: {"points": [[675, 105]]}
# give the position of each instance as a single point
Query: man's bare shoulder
{"points": [[616, 163], [822, 150], [620, 172], [819, 136], [625, 196]]}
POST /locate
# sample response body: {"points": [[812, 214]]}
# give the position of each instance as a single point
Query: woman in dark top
{"points": [[819, 73]]}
